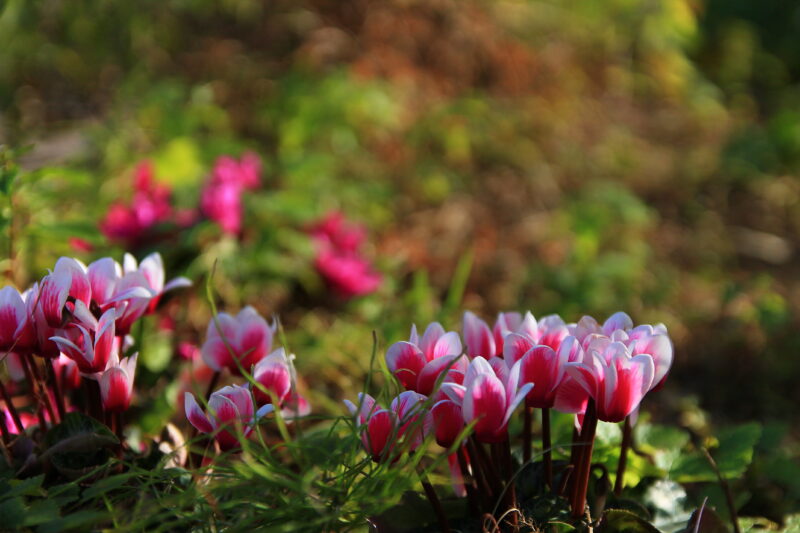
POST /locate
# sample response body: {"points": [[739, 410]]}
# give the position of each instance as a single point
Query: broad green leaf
{"points": [[620, 521]]}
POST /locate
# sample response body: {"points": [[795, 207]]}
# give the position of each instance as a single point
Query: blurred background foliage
{"points": [[572, 157]]}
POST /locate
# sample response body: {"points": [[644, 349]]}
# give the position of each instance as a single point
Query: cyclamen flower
{"points": [[152, 269], [614, 379], [149, 206], [246, 338], [91, 350], [486, 342], [487, 399], [221, 199], [274, 373], [381, 429], [347, 274], [334, 229], [338, 258], [116, 383], [230, 413], [418, 363], [542, 366], [67, 280], [16, 327], [643, 339]]}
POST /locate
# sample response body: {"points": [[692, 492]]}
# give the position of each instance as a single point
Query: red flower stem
{"points": [[469, 481], [546, 445], [489, 469], [511, 491], [11, 408], [62, 411], [574, 458], [34, 390], [95, 406], [627, 436], [480, 474], [5, 434], [527, 431], [430, 492], [584, 467], [43, 389]]}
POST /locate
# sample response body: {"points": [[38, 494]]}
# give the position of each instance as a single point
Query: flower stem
{"points": [[430, 492], [619, 482], [27, 363], [526, 434], [469, 480], [51, 374], [584, 466], [546, 445]]}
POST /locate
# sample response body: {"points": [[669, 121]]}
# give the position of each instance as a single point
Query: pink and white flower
{"points": [[275, 374], [230, 414], [116, 383], [91, 350], [377, 426], [152, 269], [16, 326], [616, 380], [487, 399], [417, 363], [67, 280], [237, 342]]}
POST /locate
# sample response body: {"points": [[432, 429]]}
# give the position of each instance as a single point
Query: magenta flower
{"points": [[512, 322], [230, 414], [418, 363], [116, 383], [378, 426], [448, 422], [274, 373], [150, 205], [335, 230], [382, 429], [16, 327], [339, 260], [346, 274], [221, 199], [90, 349], [67, 280], [152, 269], [488, 399], [614, 379], [246, 338]]}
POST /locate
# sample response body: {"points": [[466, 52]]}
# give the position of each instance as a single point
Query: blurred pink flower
{"points": [[221, 199], [339, 260], [150, 205]]}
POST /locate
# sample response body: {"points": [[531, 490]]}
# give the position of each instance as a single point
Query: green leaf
{"points": [[13, 513], [620, 521], [78, 444], [735, 451]]}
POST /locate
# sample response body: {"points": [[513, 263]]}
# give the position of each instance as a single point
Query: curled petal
{"points": [[196, 415]]}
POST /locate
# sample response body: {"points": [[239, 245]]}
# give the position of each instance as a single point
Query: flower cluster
{"points": [[242, 344], [338, 258], [77, 318], [134, 223], [150, 205], [594, 371]]}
